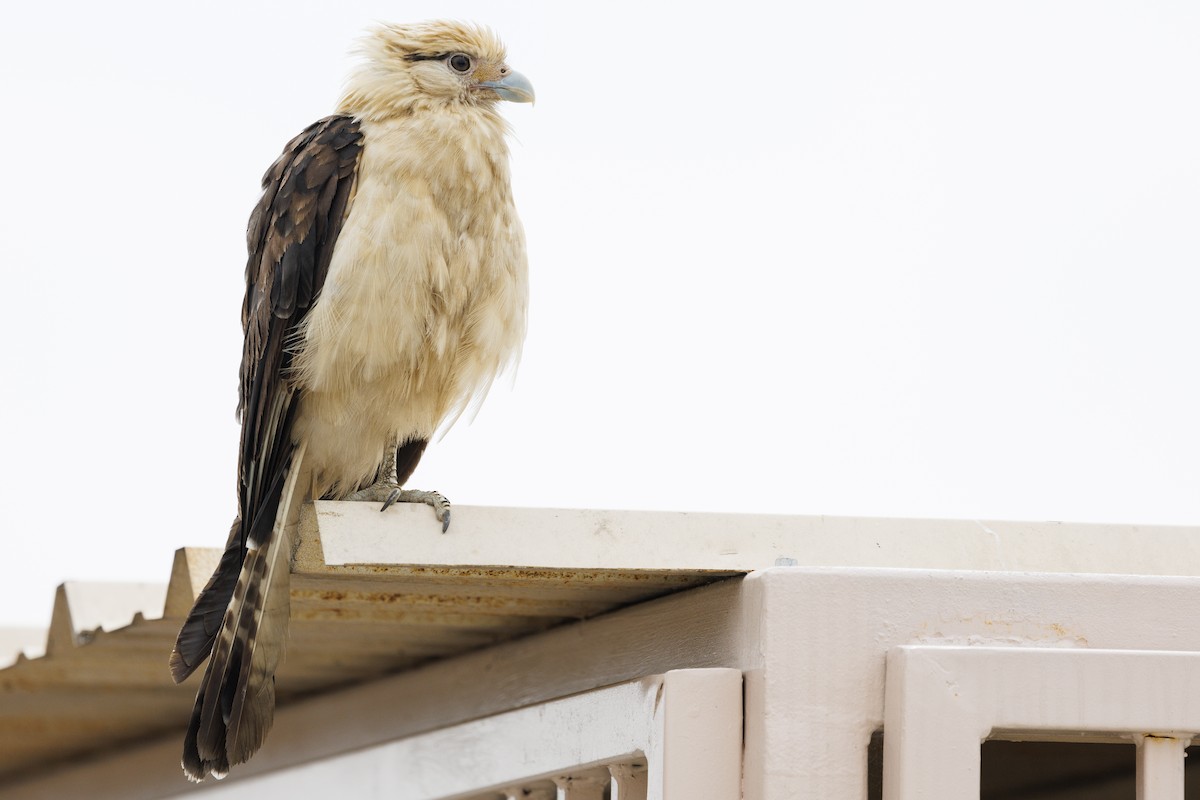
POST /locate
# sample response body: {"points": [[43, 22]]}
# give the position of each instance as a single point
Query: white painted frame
{"points": [[676, 736], [943, 701], [811, 645]]}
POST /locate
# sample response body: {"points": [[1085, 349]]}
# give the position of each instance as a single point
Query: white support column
{"points": [[1160, 767], [931, 735], [628, 781], [530, 793], [586, 786], [697, 753]]}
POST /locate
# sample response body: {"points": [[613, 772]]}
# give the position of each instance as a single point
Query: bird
{"points": [[386, 289]]}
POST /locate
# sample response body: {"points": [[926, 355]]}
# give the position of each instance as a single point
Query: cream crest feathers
{"points": [[387, 84]]}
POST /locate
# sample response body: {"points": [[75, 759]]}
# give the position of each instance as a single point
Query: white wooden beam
{"points": [[342, 534], [684, 725]]}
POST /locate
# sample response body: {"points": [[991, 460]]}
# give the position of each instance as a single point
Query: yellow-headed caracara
{"points": [[385, 290]]}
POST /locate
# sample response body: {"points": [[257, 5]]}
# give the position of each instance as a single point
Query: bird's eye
{"points": [[460, 63]]}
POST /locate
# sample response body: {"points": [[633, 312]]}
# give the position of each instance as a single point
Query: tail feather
{"points": [[263, 625], [213, 699], [235, 704], [195, 640], [195, 767]]}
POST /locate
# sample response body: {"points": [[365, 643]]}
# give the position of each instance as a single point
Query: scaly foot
{"points": [[440, 505], [387, 493]]}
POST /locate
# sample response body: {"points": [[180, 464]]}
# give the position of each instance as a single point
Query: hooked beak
{"points": [[514, 86]]}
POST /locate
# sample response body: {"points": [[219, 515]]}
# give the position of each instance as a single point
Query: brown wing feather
{"points": [[241, 616]]}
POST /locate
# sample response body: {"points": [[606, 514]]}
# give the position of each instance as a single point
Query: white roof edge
{"points": [[338, 534]]}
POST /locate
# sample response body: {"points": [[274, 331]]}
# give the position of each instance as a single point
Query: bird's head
{"points": [[409, 67]]}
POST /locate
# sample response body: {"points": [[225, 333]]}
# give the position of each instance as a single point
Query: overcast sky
{"points": [[922, 259]]}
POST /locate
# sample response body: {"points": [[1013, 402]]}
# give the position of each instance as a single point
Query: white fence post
{"points": [[931, 735], [533, 793], [629, 781], [1160, 767], [581, 787], [696, 753]]}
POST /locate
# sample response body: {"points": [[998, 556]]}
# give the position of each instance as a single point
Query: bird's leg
{"points": [[387, 489]]}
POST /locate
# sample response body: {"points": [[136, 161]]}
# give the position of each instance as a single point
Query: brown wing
{"points": [[290, 238]]}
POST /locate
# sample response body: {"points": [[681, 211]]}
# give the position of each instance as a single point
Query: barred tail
{"points": [[235, 704]]}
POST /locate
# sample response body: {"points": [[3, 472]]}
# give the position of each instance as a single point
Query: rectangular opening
{"points": [[1048, 770], [1057, 771]]}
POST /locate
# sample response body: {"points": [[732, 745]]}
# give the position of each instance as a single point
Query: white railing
{"points": [[941, 702], [676, 736], [826, 657]]}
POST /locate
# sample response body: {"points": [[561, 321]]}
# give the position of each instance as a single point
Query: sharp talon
{"points": [[392, 497], [394, 494]]}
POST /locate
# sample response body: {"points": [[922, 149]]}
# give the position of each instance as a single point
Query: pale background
{"points": [[856, 258]]}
